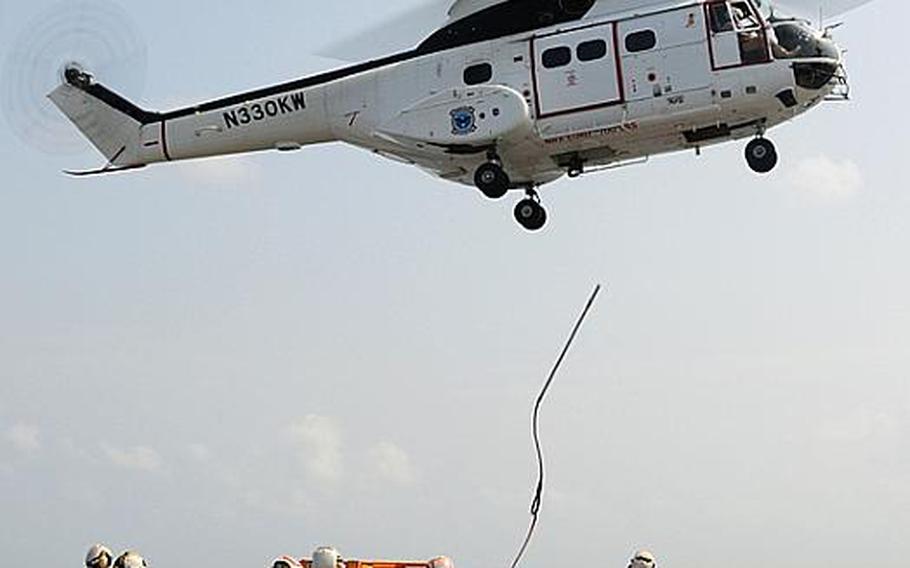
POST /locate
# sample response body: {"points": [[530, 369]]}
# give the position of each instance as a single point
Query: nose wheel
{"points": [[761, 155], [530, 214]]}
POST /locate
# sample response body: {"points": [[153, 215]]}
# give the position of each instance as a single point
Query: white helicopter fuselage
{"points": [[607, 89]]}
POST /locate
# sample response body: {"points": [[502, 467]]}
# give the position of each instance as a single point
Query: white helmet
{"points": [[99, 556], [286, 562], [441, 562], [326, 557], [643, 559], [130, 559]]}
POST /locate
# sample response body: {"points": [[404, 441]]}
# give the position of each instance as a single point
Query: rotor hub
{"points": [[75, 75]]}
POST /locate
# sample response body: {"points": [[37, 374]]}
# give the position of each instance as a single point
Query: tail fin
{"points": [[110, 122]]}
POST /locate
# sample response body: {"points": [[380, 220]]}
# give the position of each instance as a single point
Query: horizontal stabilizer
{"points": [[108, 169]]}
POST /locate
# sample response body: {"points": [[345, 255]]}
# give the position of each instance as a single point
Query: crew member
{"points": [[99, 556], [286, 562], [643, 559], [130, 559]]}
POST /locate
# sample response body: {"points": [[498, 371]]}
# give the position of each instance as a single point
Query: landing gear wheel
{"points": [[492, 180], [530, 214], [761, 155]]}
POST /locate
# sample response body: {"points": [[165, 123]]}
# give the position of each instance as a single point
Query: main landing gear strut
{"points": [[492, 180], [761, 155]]}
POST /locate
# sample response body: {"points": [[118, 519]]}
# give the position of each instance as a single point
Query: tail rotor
{"points": [[70, 42]]}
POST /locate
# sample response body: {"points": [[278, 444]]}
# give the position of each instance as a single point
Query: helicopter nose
{"points": [[817, 75], [840, 51]]}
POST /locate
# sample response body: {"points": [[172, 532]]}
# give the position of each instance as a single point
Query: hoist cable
{"points": [[538, 447]]}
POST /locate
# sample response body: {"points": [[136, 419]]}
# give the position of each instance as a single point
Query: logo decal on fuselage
{"points": [[464, 121], [271, 108]]}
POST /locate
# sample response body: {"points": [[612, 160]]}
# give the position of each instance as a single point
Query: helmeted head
{"points": [[286, 562], [326, 557], [441, 562], [130, 559], [643, 559], [99, 556]]}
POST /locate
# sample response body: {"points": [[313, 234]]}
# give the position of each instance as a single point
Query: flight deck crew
{"points": [[643, 559], [286, 562], [99, 556], [130, 559]]}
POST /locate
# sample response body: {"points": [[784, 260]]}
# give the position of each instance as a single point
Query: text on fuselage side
{"points": [[269, 109], [624, 128]]}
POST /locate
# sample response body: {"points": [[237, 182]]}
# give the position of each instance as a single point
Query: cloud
{"points": [[826, 178], [25, 438], [318, 440], [140, 458], [862, 425], [199, 452], [293, 502], [391, 463], [222, 171]]}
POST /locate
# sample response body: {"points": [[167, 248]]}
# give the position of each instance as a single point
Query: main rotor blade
{"points": [[397, 33], [407, 29], [812, 9]]}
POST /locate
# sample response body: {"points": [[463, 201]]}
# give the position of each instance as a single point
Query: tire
{"points": [[761, 155], [530, 215], [492, 180]]}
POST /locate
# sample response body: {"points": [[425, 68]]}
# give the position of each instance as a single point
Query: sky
{"points": [[228, 360]]}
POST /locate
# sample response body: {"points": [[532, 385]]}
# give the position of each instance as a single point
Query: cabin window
{"points": [[641, 41], [477, 74], [557, 57], [592, 50]]}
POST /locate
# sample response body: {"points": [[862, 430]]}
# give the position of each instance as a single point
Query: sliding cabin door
{"points": [[577, 70]]}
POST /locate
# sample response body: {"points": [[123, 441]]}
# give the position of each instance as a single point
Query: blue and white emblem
{"points": [[464, 121]]}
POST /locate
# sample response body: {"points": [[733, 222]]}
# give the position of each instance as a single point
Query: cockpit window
{"points": [[721, 21], [794, 40], [744, 17]]}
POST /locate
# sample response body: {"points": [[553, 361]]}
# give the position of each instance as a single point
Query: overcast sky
{"points": [[225, 361]]}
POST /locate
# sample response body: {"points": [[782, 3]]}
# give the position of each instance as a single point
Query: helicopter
{"points": [[511, 95]]}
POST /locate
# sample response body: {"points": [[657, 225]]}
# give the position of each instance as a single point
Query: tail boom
{"points": [[130, 137]]}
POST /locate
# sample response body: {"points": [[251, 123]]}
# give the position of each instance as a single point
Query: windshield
{"points": [[798, 41]]}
